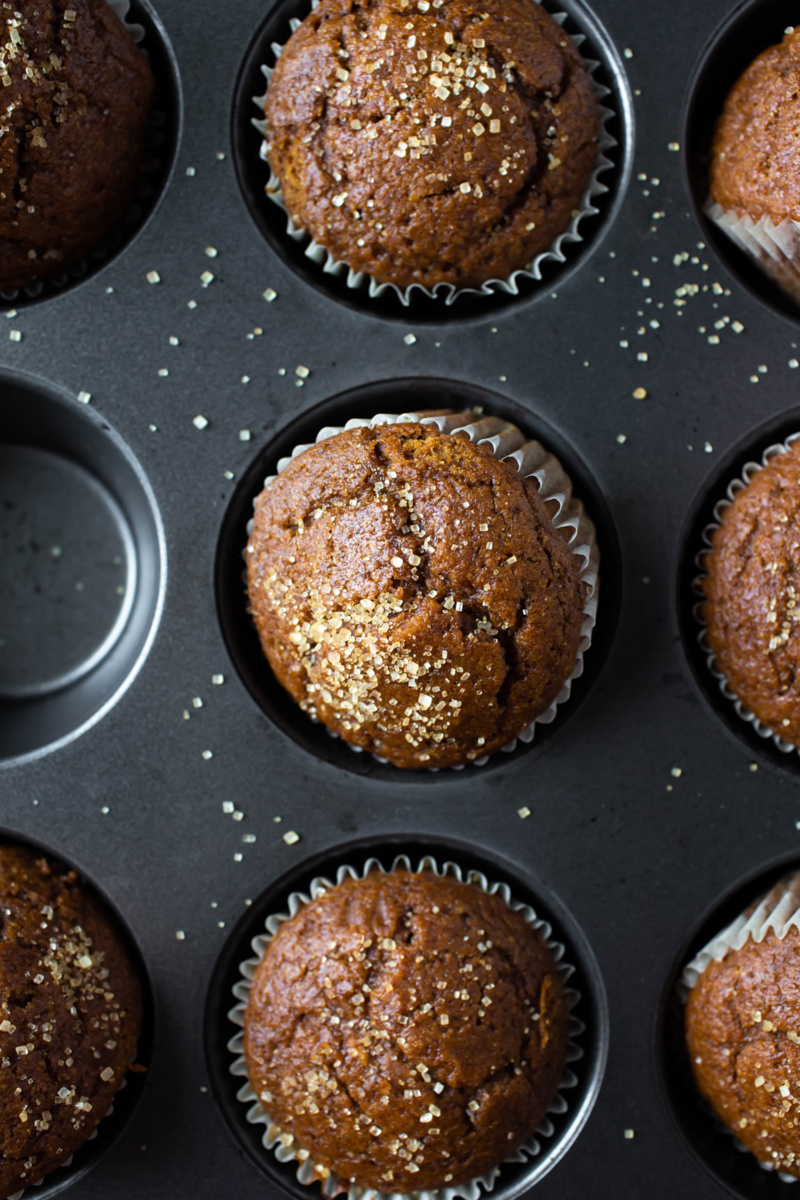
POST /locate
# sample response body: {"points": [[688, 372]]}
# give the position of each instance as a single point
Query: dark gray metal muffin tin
{"points": [[649, 801]]}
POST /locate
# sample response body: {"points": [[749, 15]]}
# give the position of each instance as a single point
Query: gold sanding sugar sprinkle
{"points": [[639, 393]]}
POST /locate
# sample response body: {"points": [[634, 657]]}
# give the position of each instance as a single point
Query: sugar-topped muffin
{"points": [[752, 606], [70, 1014], [430, 141], [406, 1031], [74, 106], [411, 592]]}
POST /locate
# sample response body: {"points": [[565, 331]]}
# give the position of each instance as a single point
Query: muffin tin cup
{"points": [[446, 292], [281, 1144], [736, 485], [777, 911], [555, 490], [154, 171], [774, 247]]}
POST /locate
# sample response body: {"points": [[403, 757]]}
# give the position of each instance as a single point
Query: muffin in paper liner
{"points": [[281, 1145], [777, 911], [774, 247], [447, 291], [736, 485], [555, 490], [151, 164]]}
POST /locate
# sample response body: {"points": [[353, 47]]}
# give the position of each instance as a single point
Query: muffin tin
{"points": [[142, 740]]}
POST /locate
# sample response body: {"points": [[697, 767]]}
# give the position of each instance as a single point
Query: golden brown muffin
{"points": [[743, 1034], [411, 592], [428, 142], [408, 1031], [752, 588], [73, 117], [755, 166], [70, 1013]]}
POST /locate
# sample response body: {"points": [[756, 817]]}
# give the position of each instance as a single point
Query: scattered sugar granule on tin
{"points": [[105, 810], [229, 475], [191, 304], [629, 1134], [673, 146], [14, 335], [302, 371], [211, 252], [197, 702], [504, 378], [84, 397], [270, 294], [163, 372], [228, 807], [676, 772], [709, 449], [190, 171], [217, 679], [249, 838], [628, 52], [180, 936], [753, 766], [794, 364], [237, 815], [245, 379], [244, 435], [220, 156], [207, 754], [639, 393], [207, 278], [238, 856], [737, 326], [153, 277], [410, 339], [200, 422], [523, 812], [290, 837], [622, 438], [12, 312], [173, 341]]}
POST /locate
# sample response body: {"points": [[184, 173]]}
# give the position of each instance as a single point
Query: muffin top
{"points": [[755, 168], [73, 116], [752, 607], [408, 1031], [70, 1012], [743, 1034], [411, 592], [430, 141]]}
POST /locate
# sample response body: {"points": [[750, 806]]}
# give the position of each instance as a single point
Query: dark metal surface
{"points": [[635, 853]]}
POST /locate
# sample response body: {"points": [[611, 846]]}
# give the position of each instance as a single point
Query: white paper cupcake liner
{"points": [[775, 248], [555, 490], [77, 270], [447, 291], [749, 470], [280, 1144], [777, 911]]}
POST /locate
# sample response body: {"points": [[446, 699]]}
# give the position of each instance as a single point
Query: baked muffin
{"points": [[743, 1037], [411, 592], [431, 142], [752, 606], [73, 117], [408, 1031], [754, 178], [70, 1012]]}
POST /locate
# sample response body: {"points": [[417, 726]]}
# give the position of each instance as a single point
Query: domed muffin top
{"points": [[411, 592], [752, 607], [70, 1014], [755, 167], [427, 141], [408, 1031]]}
